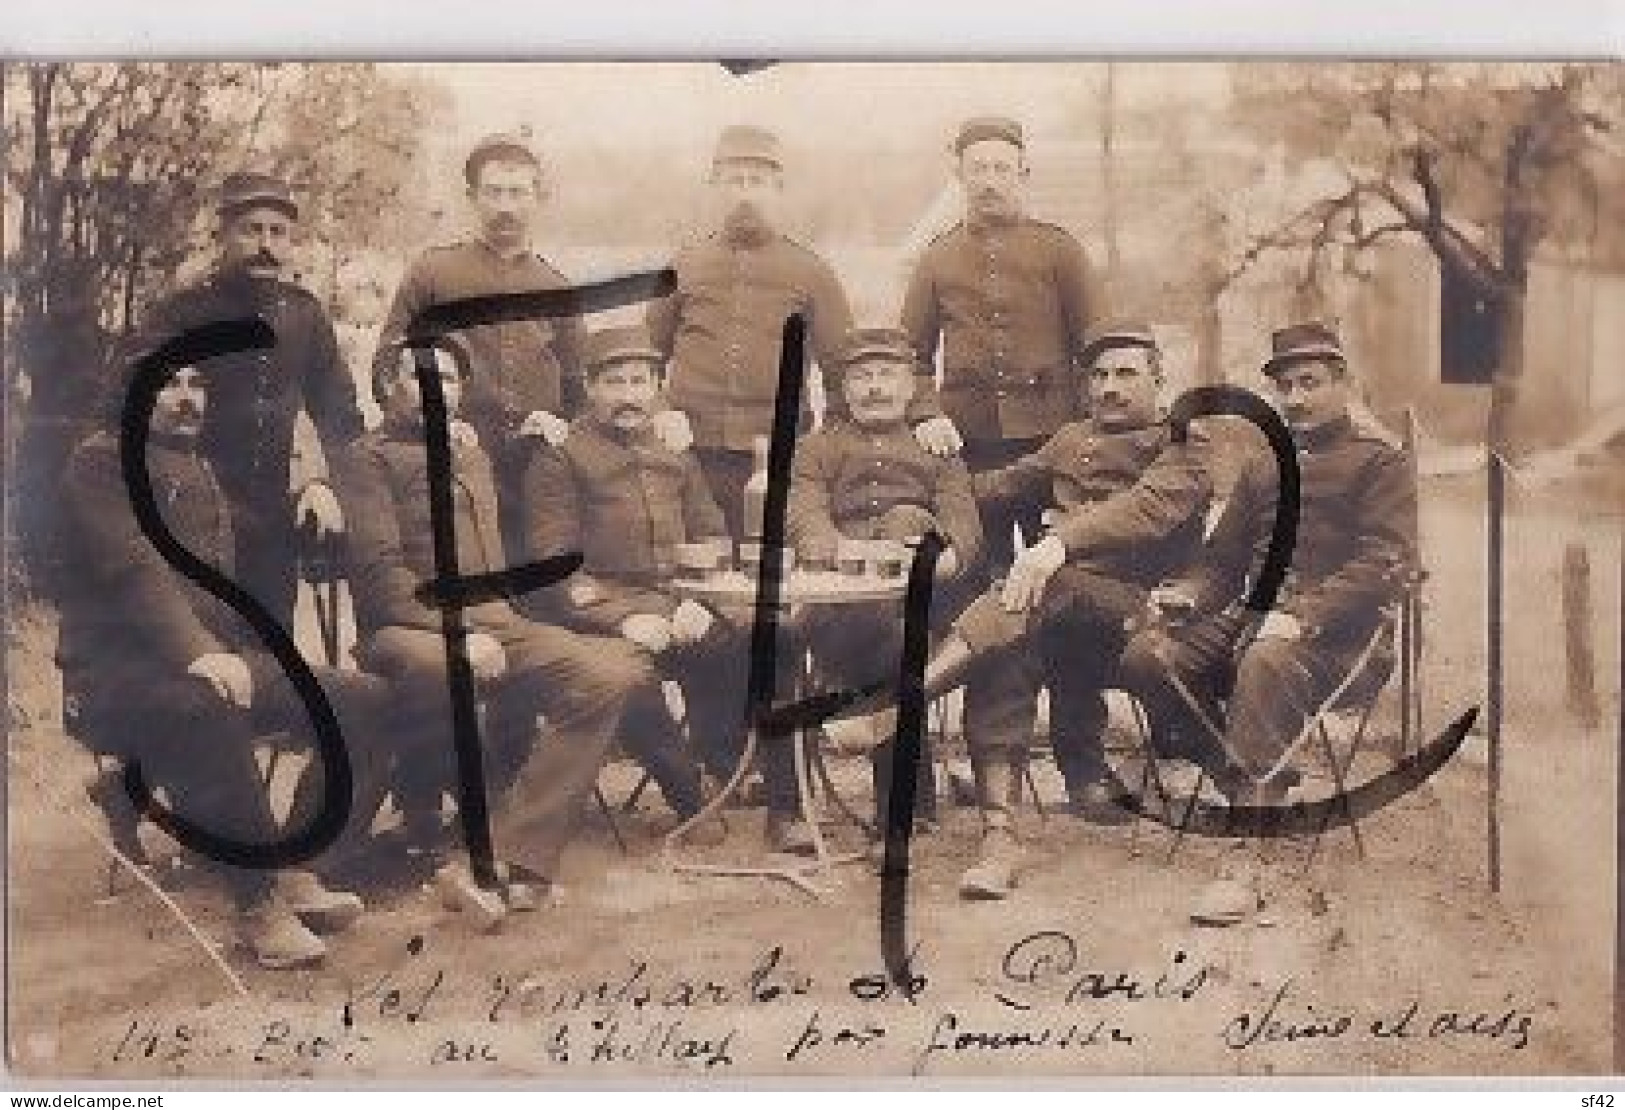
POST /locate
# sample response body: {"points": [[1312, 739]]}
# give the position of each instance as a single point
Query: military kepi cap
{"points": [[246, 189], [868, 344], [1120, 333], [1001, 128], [608, 347], [1300, 342], [504, 145], [743, 142]]}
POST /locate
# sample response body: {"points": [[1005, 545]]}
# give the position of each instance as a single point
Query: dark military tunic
{"points": [[1128, 505], [1011, 303], [515, 368], [853, 482], [584, 684], [1355, 551], [1356, 538], [1126, 502], [132, 625], [724, 325], [625, 505], [254, 398]]}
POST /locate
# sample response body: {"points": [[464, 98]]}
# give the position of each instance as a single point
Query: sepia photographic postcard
{"points": [[686, 573]]}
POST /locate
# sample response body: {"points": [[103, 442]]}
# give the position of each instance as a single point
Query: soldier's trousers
{"points": [[727, 472], [265, 549], [852, 646], [199, 749], [584, 685], [1261, 693], [998, 517], [1070, 641], [713, 675]]}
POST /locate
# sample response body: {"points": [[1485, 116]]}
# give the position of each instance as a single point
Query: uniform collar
{"points": [[993, 225], [514, 259], [172, 441], [1319, 438], [747, 239], [645, 437]]}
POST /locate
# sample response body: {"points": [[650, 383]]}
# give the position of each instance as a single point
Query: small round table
{"points": [[736, 589]]}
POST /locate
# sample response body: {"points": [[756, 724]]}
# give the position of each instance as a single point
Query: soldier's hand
{"points": [[690, 621], [648, 631], [671, 427], [947, 564], [228, 674], [1280, 626], [317, 502], [939, 436], [544, 424], [1029, 574], [485, 656], [462, 434]]}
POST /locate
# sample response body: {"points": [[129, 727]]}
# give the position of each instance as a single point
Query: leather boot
{"points": [[996, 873]]}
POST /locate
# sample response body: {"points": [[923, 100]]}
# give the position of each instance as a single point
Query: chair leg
{"points": [[609, 816]]}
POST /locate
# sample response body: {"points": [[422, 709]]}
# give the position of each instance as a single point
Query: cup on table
{"points": [[889, 558], [852, 557], [700, 560], [750, 559]]}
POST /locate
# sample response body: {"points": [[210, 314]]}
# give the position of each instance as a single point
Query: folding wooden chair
{"points": [[1356, 691]]}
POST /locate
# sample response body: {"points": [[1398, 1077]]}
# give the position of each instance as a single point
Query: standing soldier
{"points": [[1355, 546], [255, 396], [723, 327], [524, 375], [1010, 300]]}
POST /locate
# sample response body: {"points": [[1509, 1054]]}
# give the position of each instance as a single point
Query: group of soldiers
{"points": [[1005, 403]]}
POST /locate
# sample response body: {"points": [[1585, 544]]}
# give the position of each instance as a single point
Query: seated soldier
{"points": [[1127, 510], [1356, 540], [584, 684], [864, 476], [614, 492], [164, 674]]}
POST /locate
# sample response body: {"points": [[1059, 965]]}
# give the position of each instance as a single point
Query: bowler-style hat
{"points": [[1122, 333], [503, 145], [743, 142], [1002, 128], [610, 346], [247, 189], [1301, 342]]}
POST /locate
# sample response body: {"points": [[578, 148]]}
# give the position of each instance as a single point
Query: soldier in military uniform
{"points": [[864, 476], [255, 396], [1010, 300], [158, 671], [524, 375], [614, 492], [1355, 545], [584, 684], [723, 327], [1126, 510]]}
